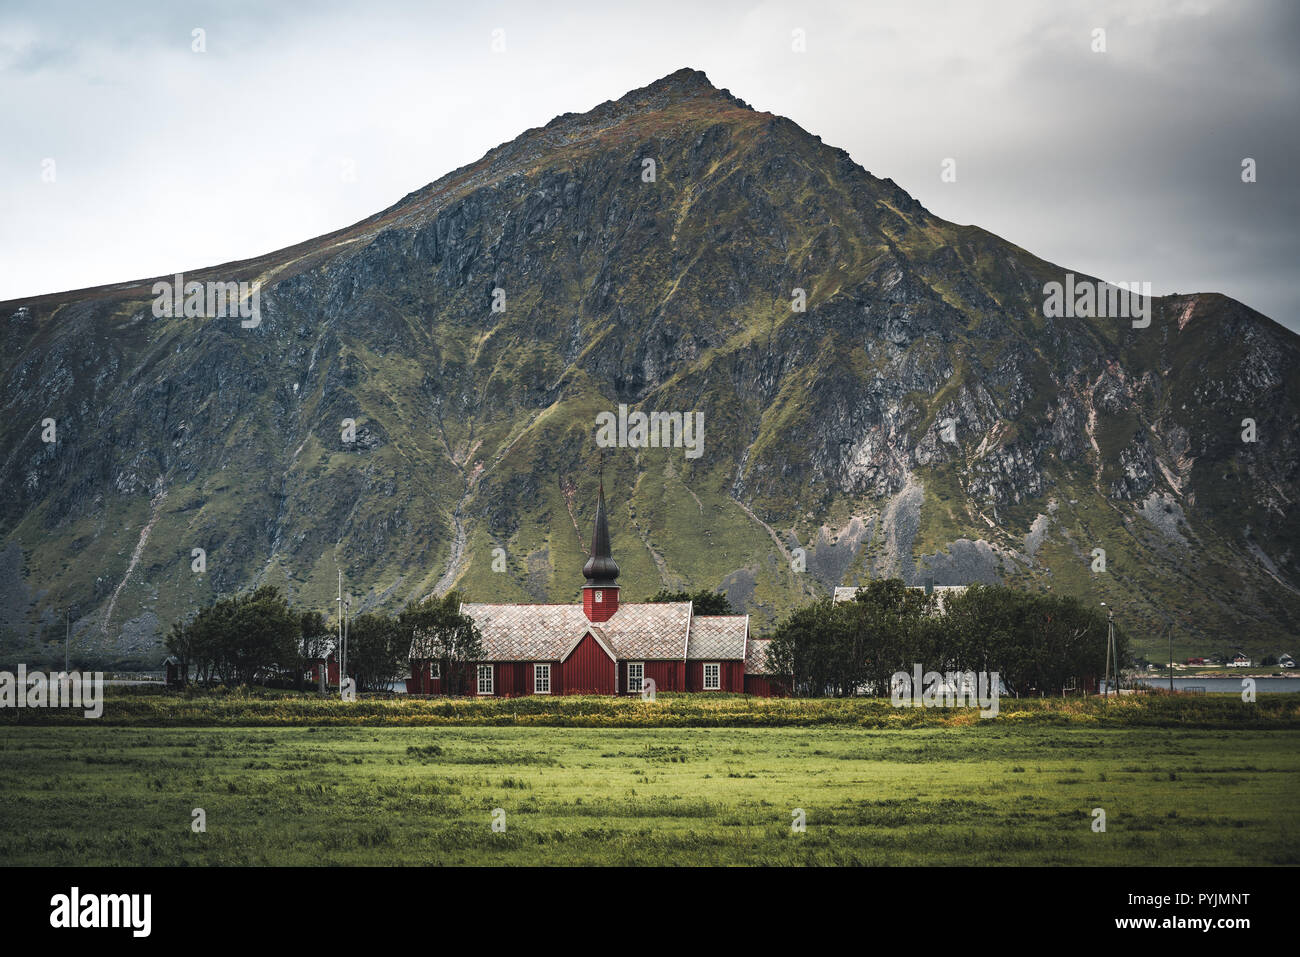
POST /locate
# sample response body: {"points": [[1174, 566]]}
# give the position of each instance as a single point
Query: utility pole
{"points": [[67, 639], [1111, 650], [343, 666], [338, 650], [1110, 641], [1171, 659]]}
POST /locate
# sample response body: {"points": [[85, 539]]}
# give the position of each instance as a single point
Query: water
{"points": [[1225, 685]]}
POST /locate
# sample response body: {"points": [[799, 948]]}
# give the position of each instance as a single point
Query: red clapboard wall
{"points": [[589, 670], [331, 676], [667, 675], [421, 683], [765, 687], [731, 676]]}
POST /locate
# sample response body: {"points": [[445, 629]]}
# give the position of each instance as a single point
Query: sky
{"points": [[127, 153]]}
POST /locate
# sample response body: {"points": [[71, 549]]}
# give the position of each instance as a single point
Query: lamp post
{"points": [[1110, 647], [338, 652], [1110, 638], [343, 664]]}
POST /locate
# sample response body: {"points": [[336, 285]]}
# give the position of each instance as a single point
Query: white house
{"points": [[943, 592]]}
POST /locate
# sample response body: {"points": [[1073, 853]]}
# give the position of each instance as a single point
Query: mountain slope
{"points": [[475, 429]]}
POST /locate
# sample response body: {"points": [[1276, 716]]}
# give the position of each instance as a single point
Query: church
{"points": [[604, 645]]}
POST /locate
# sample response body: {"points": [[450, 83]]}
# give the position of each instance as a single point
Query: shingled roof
{"points": [[524, 632], [647, 630], [717, 637], [756, 656], [650, 630]]}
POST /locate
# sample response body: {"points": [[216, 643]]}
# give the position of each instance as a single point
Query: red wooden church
{"points": [[604, 646]]}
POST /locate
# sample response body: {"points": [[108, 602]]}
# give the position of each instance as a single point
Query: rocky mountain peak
{"points": [[678, 87], [881, 391], [683, 82]]}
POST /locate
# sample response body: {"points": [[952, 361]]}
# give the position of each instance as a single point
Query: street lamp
{"points": [[347, 614], [1110, 647]]}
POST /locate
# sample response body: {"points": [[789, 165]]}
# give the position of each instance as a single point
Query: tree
{"points": [[207, 633], [840, 648], [706, 602], [180, 643], [435, 630], [1034, 642], [240, 638], [315, 640], [889, 629], [263, 635], [378, 650], [802, 647]]}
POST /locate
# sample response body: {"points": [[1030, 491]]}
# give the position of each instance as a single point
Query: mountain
{"points": [[923, 416]]}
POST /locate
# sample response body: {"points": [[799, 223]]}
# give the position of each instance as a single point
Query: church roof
{"points": [[652, 631], [525, 632], [545, 632], [718, 636]]}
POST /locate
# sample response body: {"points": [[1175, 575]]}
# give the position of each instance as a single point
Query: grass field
{"points": [[988, 793], [158, 707]]}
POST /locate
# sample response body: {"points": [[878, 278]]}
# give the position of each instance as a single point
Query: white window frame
{"points": [[598, 597], [537, 670], [717, 676], [490, 672], [634, 685], [435, 670]]}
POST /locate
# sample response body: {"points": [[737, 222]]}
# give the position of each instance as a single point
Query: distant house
{"points": [[174, 677], [1285, 661], [758, 677], [1239, 660], [330, 662], [1197, 661], [942, 592]]}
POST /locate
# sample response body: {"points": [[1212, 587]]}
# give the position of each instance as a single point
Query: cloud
{"points": [[1124, 164]]}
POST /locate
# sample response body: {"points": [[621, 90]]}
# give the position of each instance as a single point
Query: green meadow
{"points": [[986, 793]]}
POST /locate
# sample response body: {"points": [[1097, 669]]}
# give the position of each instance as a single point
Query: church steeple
{"points": [[600, 593], [601, 569]]}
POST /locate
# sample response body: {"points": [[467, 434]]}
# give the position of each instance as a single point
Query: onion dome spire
{"points": [[601, 569]]}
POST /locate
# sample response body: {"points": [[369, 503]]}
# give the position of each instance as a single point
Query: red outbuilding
{"points": [[330, 663]]}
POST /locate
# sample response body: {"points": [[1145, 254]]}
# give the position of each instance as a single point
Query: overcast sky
{"points": [[300, 119]]}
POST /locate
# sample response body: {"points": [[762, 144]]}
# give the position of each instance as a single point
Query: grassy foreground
{"points": [[997, 792], [263, 708]]}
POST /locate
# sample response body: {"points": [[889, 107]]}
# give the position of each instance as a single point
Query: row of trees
{"points": [[1035, 642], [706, 602], [258, 638]]}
